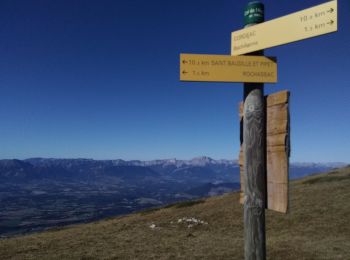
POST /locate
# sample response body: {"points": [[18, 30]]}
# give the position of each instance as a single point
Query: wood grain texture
{"points": [[277, 195], [277, 98], [254, 143], [276, 140], [276, 127], [277, 112], [241, 110], [277, 151], [277, 166], [241, 162]]}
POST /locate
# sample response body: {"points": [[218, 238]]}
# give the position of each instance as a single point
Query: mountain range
{"points": [[204, 168]]}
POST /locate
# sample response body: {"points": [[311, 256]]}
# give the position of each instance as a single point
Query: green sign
{"points": [[254, 13]]}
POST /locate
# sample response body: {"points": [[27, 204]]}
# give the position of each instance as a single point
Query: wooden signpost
{"points": [[301, 25], [254, 152], [265, 148]]}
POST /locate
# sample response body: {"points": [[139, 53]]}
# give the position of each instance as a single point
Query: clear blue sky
{"points": [[100, 79]]}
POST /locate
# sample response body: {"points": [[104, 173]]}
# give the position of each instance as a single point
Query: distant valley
{"points": [[39, 193]]}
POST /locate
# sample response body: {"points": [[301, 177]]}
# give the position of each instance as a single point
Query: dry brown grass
{"points": [[317, 227]]}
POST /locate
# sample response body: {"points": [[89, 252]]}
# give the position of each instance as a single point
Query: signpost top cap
{"points": [[254, 13]]}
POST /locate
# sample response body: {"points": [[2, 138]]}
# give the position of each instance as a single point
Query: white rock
{"points": [[153, 226]]}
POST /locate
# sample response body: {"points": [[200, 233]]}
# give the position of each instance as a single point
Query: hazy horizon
{"points": [[170, 158]]}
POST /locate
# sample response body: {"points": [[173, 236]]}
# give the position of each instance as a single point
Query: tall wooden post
{"points": [[254, 150]]}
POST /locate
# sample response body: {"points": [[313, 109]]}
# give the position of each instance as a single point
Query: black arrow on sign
{"points": [[184, 72], [184, 62], [330, 10], [331, 22]]}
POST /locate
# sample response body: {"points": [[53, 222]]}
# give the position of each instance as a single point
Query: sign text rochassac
{"points": [[226, 68]]}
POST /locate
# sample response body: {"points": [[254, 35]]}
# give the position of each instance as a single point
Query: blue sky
{"points": [[100, 79]]}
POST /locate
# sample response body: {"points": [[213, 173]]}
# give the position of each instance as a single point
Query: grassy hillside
{"points": [[317, 227]]}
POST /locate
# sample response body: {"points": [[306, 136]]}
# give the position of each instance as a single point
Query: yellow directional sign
{"points": [[226, 68], [301, 25]]}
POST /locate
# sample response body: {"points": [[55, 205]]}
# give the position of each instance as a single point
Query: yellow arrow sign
{"points": [[301, 25], [226, 68]]}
